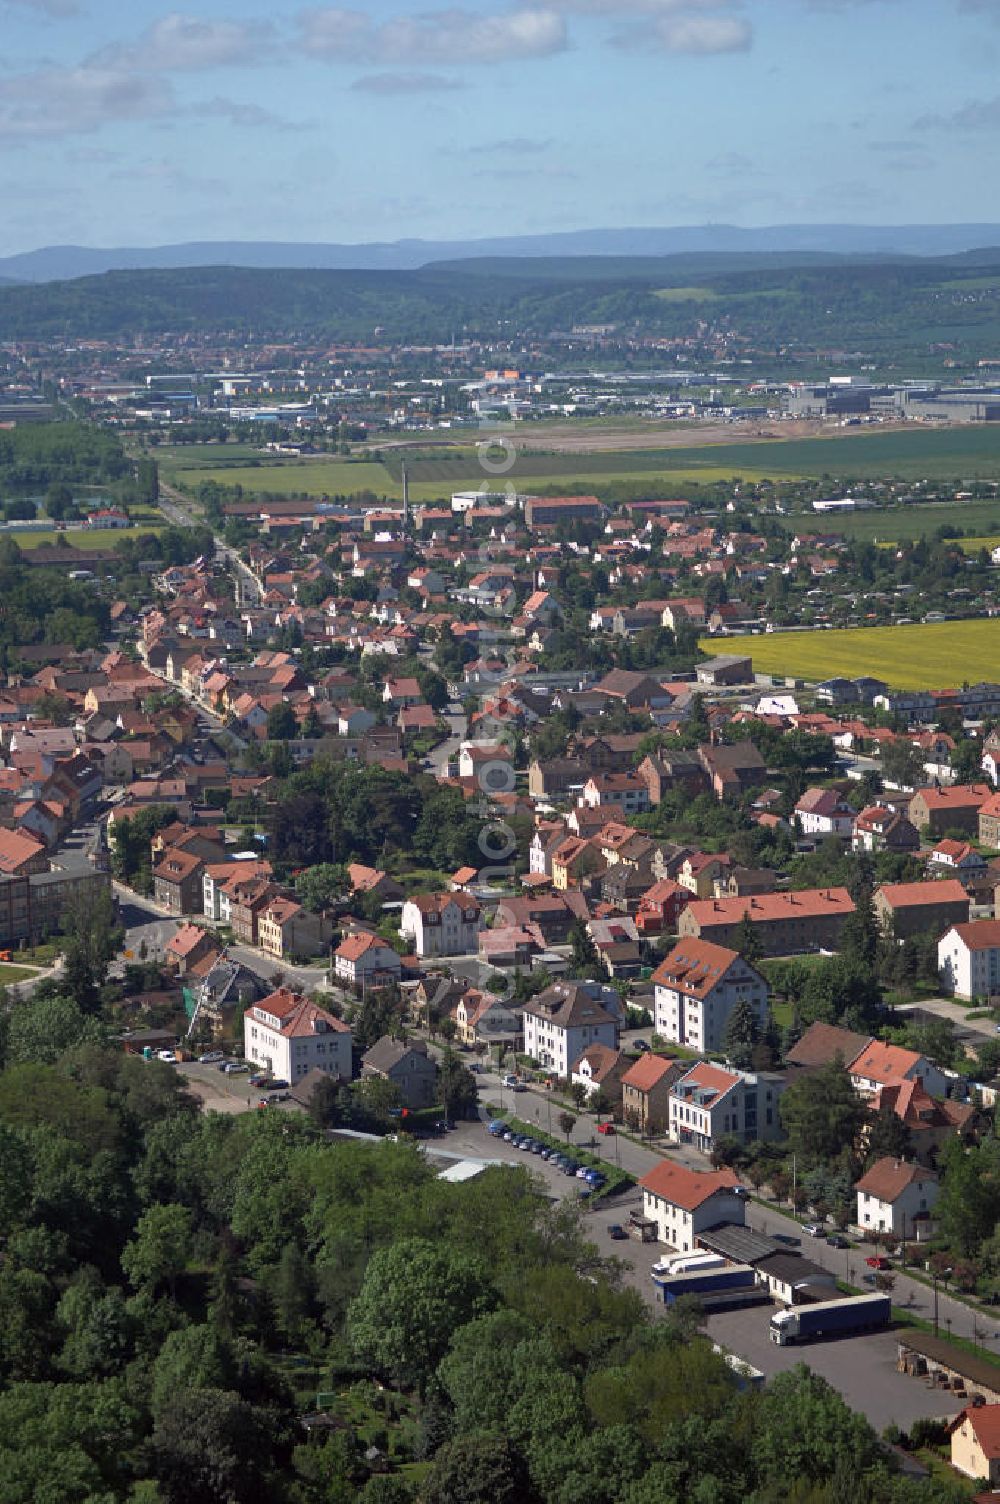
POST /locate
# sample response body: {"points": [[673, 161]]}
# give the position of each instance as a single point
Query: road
{"points": [[448, 750]]}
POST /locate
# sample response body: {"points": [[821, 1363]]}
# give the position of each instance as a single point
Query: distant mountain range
{"points": [[55, 263]]}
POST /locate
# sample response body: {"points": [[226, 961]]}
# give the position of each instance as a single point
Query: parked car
{"points": [[837, 1240], [616, 1231], [259, 1080], [815, 1229], [607, 1128], [742, 1192], [211, 1057], [276, 1085], [167, 1056], [640, 1044], [662, 1266], [876, 1261]]}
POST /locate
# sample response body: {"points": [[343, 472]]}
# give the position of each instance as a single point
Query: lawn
{"points": [[893, 524], [11, 974], [938, 655]]}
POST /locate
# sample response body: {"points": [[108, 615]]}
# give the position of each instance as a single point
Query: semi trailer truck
{"points": [[831, 1318]]}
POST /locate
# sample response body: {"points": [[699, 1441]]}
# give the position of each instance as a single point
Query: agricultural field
{"points": [[938, 655], [965, 453]]}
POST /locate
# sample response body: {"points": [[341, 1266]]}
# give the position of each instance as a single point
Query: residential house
{"points": [[822, 1044], [177, 881], [617, 941], [959, 859], [975, 1445], [929, 1121], [708, 1103], [879, 828], [482, 1018], [879, 1065], [365, 960], [787, 922], [572, 860], [626, 792], [564, 1021], [287, 1035], [190, 945], [897, 1196], [21, 855], [599, 1071], [646, 1093], [554, 914], [701, 870], [969, 959], [905, 909], [939, 811], [989, 822], [442, 924], [824, 812], [286, 930], [684, 1203], [409, 1068], [732, 770], [696, 988], [372, 880], [660, 907]]}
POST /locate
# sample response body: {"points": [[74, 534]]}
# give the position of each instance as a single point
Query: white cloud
{"points": [[74, 101], [703, 34], [404, 83], [436, 37], [181, 43]]}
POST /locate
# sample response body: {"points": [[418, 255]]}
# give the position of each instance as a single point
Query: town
{"points": [[464, 841]]}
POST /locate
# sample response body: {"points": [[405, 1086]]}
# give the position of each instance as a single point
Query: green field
{"points": [[11, 974], [961, 454], [85, 538], [939, 655], [896, 524]]}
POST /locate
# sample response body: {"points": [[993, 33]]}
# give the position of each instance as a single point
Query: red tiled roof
{"points": [[685, 1188]]}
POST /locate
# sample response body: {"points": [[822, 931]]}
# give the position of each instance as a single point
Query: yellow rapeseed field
{"points": [[938, 655]]}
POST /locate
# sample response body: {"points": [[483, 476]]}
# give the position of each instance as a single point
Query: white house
{"points": [[684, 1203], [879, 1065], [708, 1103], [562, 1022], [620, 791], [969, 959], [697, 987], [897, 1196], [442, 924], [822, 812], [365, 960], [288, 1035]]}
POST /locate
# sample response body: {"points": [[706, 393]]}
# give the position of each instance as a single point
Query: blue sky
{"points": [[141, 124]]}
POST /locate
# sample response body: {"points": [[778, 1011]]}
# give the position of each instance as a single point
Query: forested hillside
{"points": [[884, 307]]}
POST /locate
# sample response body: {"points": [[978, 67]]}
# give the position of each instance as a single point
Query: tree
{"points": [[318, 886], [282, 725], [325, 1107], [822, 1115], [40, 1030], [567, 1122], [585, 960], [803, 1429], [414, 1296], [747, 941], [93, 936], [741, 1034], [478, 1469], [888, 1138], [457, 1085], [211, 1444], [161, 1248]]}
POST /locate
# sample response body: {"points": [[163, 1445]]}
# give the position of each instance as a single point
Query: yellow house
{"points": [[572, 860], [975, 1442]]}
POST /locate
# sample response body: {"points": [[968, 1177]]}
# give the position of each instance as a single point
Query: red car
{"points": [[877, 1262], [605, 1127]]}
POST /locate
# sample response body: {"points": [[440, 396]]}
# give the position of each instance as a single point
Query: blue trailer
{"points": [[734, 1284], [831, 1318]]}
